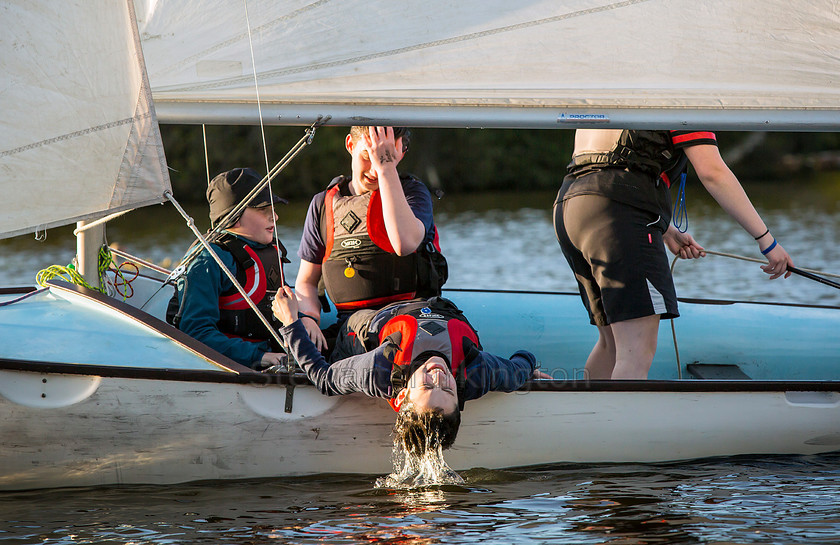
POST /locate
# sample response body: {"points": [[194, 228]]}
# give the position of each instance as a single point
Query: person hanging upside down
{"points": [[422, 356]]}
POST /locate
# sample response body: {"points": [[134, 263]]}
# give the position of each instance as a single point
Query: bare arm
{"points": [[405, 231], [724, 187], [306, 290]]}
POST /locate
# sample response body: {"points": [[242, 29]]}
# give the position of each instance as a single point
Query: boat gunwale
{"points": [[299, 379]]}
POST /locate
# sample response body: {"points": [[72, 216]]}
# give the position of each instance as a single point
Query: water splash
{"points": [[413, 471]]}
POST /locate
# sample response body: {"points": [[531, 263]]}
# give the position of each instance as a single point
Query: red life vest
{"points": [[360, 267], [420, 330], [258, 272]]}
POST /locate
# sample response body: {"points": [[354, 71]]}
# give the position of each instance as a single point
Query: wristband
{"points": [[302, 315], [767, 249], [762, 234]]}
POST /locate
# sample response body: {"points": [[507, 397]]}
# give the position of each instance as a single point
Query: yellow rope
{"points": [[70, 274]]}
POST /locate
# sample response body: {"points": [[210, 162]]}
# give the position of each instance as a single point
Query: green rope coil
{"points": [[70, 274]]}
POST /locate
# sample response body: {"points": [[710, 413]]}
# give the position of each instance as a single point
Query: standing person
{"points": [[206, 304], [370, 237], [612, 218]]}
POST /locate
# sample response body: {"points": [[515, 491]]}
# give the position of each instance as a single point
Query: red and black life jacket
{"points": [[258, 272], [419, 330], [360, 267]]}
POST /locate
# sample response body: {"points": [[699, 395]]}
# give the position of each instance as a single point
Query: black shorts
{"points": [[618, 257]]}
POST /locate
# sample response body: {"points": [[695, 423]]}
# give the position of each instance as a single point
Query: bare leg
{"points": [[601, 361], [635, 346]]}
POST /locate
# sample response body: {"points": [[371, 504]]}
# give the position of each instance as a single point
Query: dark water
{"points": [[492, 241], [732, 500]]}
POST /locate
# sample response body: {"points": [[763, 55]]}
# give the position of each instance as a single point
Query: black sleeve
{"points": [[368, 373]]}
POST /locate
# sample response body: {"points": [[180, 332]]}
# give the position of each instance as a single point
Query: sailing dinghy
{"points": [[96, 389]]}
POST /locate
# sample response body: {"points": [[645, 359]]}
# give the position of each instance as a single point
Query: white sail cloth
{"points": [[748, 64], [78, 134]]}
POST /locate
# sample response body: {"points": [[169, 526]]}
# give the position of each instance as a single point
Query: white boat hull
{"points": [[75, 430]]}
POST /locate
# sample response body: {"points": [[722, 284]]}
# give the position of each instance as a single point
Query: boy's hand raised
{"points": [[285, 306]]}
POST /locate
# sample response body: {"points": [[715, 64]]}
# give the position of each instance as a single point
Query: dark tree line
{"points": [[454, 160]]}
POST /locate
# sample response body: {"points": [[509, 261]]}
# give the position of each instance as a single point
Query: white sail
{"points": [[751, 64], [78, 133]]}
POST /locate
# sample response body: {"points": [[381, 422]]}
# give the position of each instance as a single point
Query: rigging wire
{"points": [[290, 360], [215, 233], [764, 261], [256, 83], [206, 154], [262, 134]]}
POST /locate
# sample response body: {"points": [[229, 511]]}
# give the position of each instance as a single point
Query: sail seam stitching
{"points": [[74, 134]]}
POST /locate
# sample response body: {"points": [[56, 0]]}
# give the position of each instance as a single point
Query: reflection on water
{"points": [[734, 500], [506, 241]]}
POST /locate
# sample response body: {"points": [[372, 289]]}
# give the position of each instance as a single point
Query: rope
{"points": [[680, 213], [100, 221], [122, 284], [732, 256], [70, 274], [121, 281], [762, 261], [256, 87], [206, 154]]}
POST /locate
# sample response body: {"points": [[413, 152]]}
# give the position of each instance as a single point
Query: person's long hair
{"points": [[418, 432]]}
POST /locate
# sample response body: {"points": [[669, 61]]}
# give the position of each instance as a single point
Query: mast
{"points": [[88, 243]]}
